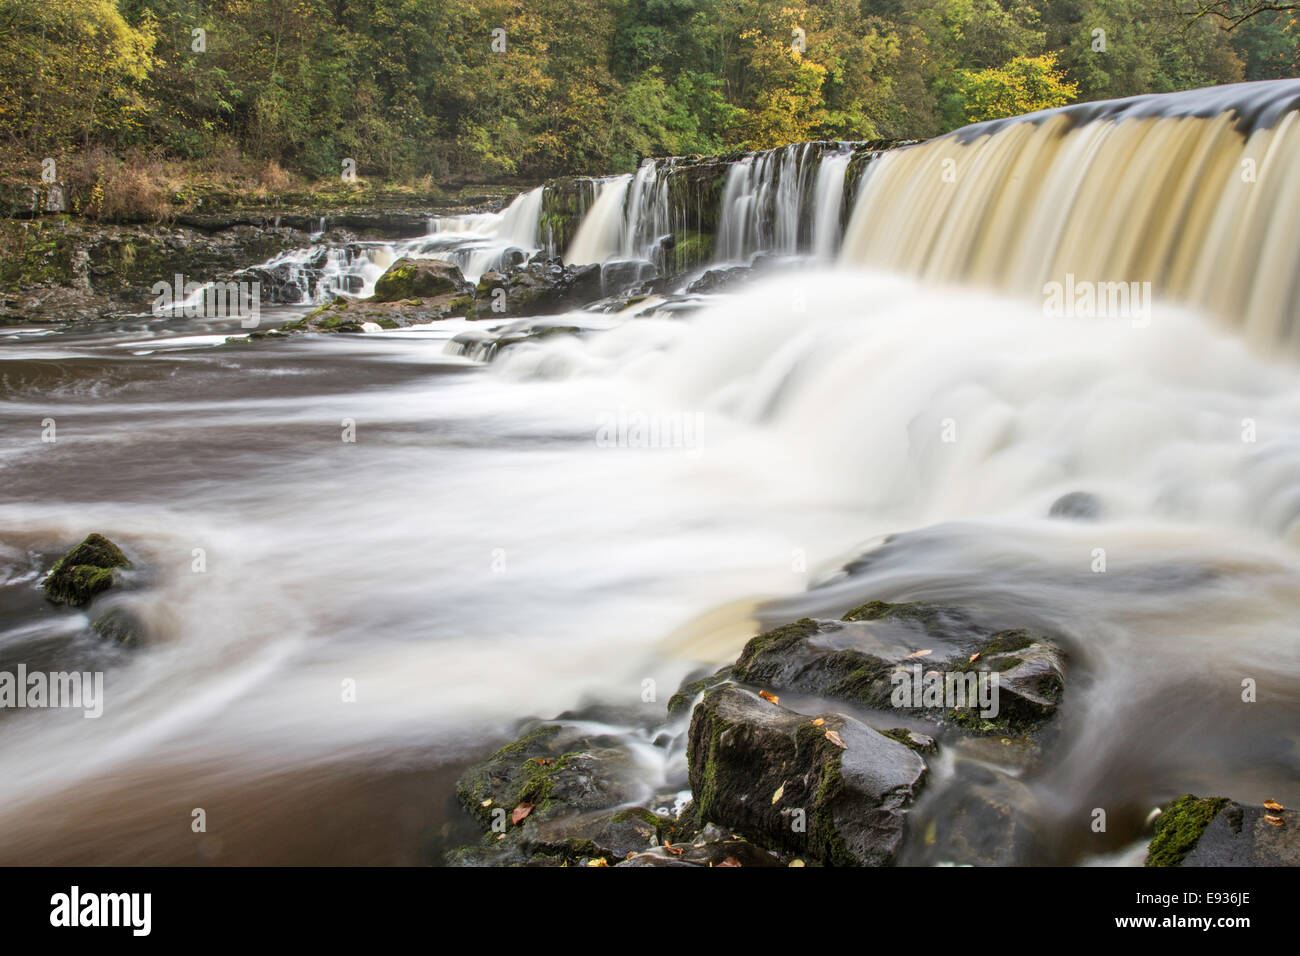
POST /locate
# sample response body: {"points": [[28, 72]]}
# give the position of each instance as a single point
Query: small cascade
{"points": [[763, 202], [600, 236], [828, 203]]}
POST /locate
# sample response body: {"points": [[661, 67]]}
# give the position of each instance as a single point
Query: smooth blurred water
{"points": [[495, 544]]}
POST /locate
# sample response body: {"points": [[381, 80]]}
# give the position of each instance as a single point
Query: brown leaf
{"points": [[730, 861], [674, 850], [542, 761], [770, 698], [520, 812], [836, 739], [819, 721], [917, 654], [974, 657], [1273, 805], [1276, 821]]}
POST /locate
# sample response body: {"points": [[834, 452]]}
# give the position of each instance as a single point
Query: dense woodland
{"points": [[435, 89]]}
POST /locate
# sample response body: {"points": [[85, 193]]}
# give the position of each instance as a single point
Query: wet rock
{"points": [[1216, 831], [983, 817], [542, 287], [1076, 506], [580, 792], [120, 625], [419, 279], [690, 691], [774, 776], [348, 315], [84, 572], [892, 656]]}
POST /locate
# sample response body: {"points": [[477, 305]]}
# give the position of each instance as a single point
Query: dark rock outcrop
{"points": [[1216, 831], [877, 648], [830, 788]]}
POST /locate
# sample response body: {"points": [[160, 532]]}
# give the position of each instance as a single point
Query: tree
{"points": [[1024, 85]]}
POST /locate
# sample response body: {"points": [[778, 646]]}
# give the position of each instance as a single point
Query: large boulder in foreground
{"points": [[862, 658], [1216, 831], [87, 570], [829, 788], [419, 279]]}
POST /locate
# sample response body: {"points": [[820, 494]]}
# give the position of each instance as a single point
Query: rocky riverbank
{"points": [[807, 751]]}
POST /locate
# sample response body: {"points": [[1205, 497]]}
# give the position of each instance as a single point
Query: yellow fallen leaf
{"points": [[520, 812], [599, 861], [819, 721], [1276, 821], [779, 792], [769, 697], [836, 739], [486, 803], [917, 654], [1273, 805], [973, 658], [796, 862]]}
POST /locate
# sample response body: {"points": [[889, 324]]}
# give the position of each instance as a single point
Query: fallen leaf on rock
{"points": [[819, 721], [836, 739], [674, 850], [599, 861], [796, 862], [780, 791], [974, 657], [486, 803], [1276, 821], [769, 697], [917, 654], [520, 812], [1273, 805], [542, 761], [730, 861]]}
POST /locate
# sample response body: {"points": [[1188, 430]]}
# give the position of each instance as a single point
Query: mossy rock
{"points": [[418, 279], [775, 777], [1179, 828], [87, 570], [861, 659]]}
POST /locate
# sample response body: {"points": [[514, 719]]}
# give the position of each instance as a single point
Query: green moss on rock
{"points": [[1179, 828], [85, 571]]}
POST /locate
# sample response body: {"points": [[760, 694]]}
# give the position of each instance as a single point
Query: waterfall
{"points": [[1190, 195], [828, 203], [600, 234], [646, 221], [520, 220], [763, 202]]}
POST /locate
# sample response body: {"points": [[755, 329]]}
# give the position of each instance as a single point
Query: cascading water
{"points": [[763, 202], [1193, 193], [601, 233], [828, 204]]}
